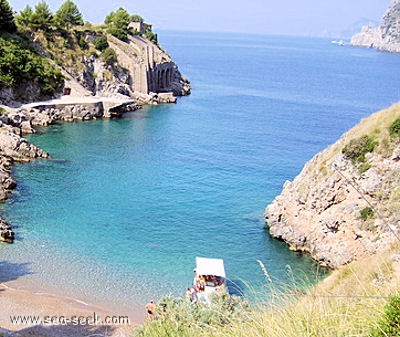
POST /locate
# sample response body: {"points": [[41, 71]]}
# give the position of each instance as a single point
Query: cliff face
{"points": [[339, 209], [386, 37], [137, 68], [142, 68]]}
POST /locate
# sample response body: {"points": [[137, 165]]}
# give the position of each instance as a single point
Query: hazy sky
{"points": [[288, 17]]}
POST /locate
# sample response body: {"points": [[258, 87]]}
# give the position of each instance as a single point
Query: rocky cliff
{"points": [[135, 68], [124, 76], [141, 68], [386, 37], [13, 148], [344, 204]]}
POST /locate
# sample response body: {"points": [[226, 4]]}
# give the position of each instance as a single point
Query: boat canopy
{"points": [[206, 266]]}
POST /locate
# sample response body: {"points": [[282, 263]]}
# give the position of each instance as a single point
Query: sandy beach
{"points": [[70, 316]]}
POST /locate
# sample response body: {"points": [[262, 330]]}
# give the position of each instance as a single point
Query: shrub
{"points": [[367, 213], [178, 317], [364, 167], [394, 128], [136, 18], [358, 148], [109, 56], [100, 43], [389, 325], [82, 42], [152, 37], [19, 65]]}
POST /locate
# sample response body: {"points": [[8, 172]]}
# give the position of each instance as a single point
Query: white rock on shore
{"points": [[386, 37]]}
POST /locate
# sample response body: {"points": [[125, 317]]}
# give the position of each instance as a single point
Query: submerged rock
{"points": [[6, 233]]}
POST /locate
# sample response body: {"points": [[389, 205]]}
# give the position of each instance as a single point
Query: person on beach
{"points": [[150, 310], [191, 295]]}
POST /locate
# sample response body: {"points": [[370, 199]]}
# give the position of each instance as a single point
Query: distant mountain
{"points": [[356, 27]]}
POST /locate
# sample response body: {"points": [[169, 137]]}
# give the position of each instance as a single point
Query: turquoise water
{"points": [[122, 209]]}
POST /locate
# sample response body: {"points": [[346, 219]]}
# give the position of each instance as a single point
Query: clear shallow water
{"points": [[120, 212]]}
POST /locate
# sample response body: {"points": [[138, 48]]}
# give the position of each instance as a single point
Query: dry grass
{"points": [[347, 303]]}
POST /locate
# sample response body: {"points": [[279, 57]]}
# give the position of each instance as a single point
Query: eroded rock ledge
{"points": [[13, 148], [319, 212]]}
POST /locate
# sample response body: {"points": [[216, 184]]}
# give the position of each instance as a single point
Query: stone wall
{"points": [[151, 69]]}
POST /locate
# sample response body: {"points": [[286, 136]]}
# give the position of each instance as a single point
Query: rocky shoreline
{"points": [[16, 122], [337, 211], [386, 37]]}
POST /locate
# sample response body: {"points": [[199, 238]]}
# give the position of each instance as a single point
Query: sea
{"points": [[123, 207]]}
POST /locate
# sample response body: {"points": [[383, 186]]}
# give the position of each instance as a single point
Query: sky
{"points": [[277, 17]]}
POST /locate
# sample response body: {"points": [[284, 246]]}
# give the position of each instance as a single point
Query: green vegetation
{"points": [[348, 303], [100, 43], [367, 213], [358, 148], [109, 56], [7, 23], [61, 36], [389, 325], [137, 18], [152, 37], [24, 19], [118, 24], [179, 317], [41, 18], [19, 64], [394, 128], [68, 15]]}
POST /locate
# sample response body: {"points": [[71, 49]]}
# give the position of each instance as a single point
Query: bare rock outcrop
{"points": [[386, 37], [142, 68], [339, 211]]}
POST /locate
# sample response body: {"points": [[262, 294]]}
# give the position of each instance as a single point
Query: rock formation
{"points": [[386, 37], [143, 71], [338, 210]]}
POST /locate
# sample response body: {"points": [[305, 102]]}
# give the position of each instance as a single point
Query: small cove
{"points": [[124, 206]]}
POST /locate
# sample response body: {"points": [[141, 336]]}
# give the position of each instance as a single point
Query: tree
{"points": [[118, 24], [137, 18], [42, 18], [24, 19], [7, 23], [68, 15]]}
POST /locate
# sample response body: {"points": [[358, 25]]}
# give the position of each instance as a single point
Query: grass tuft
{"points": [[350, 302]]}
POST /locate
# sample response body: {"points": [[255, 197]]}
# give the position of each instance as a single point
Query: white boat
{"points": [[209, 277]]}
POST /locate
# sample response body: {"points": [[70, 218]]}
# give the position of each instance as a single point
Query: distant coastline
{"points": [[386, 36]]}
